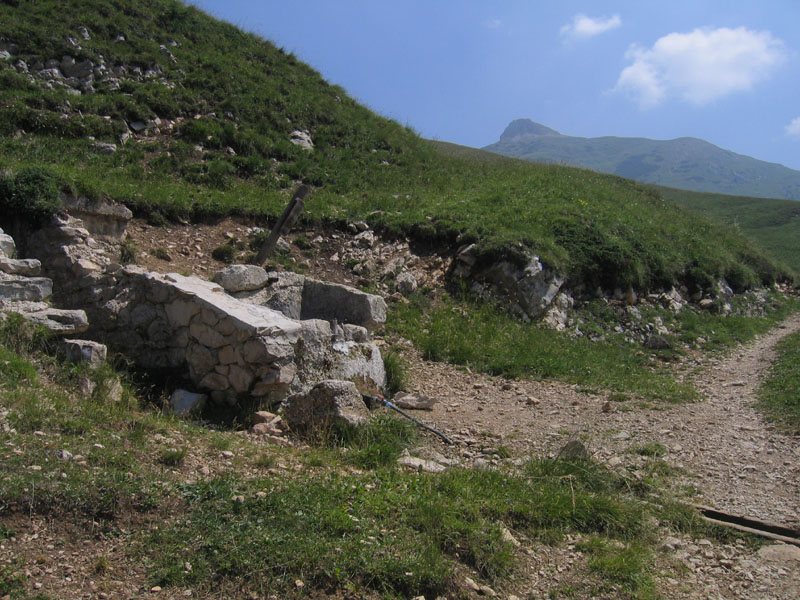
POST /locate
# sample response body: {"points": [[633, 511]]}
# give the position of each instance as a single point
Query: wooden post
{"points": [[284, 224]]}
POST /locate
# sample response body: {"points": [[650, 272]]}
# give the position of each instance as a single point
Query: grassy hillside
{"points": [[210, 110], [773, 224], [685, 163]]}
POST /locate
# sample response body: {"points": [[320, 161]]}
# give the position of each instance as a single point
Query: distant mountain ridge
{"points": [[685, 163]]}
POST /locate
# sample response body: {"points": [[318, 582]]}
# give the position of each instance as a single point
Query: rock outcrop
{"points": [[528, 291]]}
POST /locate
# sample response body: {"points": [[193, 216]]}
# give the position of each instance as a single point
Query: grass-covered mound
{"points": [[222, 104]]}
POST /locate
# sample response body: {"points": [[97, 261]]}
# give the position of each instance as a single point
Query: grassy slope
{"points": [[249, 96], [773, 224]]}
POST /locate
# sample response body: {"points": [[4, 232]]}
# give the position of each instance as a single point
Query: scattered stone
{"points": [[406, 283], [413, 462], [413, 401]]}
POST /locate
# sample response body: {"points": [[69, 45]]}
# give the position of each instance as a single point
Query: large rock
{"points": [[300, 297], [241, 278], [333, 301], [327, 403], [85, 351]]}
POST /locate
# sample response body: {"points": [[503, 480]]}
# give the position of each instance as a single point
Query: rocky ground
{"points": [[720, 446]]}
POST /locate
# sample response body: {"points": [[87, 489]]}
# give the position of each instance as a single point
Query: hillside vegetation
{"points": [[773, 224], [207, 112], [685, 163]]}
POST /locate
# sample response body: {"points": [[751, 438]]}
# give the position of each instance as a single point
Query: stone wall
{"points": [[231, 348]]}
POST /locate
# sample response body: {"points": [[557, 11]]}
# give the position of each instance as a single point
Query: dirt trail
{"points": [[721, 443]]}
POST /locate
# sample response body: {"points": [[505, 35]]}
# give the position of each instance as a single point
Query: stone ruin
{"points": [[258, 337]]}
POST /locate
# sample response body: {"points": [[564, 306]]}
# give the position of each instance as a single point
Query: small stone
{"points": [[227, 454]]}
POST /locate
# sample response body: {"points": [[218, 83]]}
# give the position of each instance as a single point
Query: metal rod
{"points": [[388, 404]]}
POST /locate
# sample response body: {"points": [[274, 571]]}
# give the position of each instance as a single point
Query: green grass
{"points": [[773, 224], [487, 339], [779, 395]]}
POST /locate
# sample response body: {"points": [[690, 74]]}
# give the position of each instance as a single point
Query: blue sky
{"points": [[727, 71]]}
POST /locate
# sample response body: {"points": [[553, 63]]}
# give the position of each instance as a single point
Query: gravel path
{"points": [[721, 445]]}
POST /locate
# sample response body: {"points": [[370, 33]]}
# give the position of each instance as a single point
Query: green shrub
{"points": [[33, 194]]}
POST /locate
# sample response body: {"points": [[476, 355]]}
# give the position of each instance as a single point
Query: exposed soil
{"points": [[720, 445]]}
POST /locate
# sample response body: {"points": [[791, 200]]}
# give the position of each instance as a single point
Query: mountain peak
{"points": [[525, 127]]}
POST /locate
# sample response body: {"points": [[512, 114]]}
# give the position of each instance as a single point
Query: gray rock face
{"points": [[241, 278], [80, 70], [104, 147], [327, 403]]}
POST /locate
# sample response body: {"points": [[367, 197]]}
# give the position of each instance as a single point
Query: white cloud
{"points": [[700, 66], [793, 128], [493, 23], [586, 27]]}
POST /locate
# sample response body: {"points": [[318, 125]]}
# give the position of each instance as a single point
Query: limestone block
{"points": [[201, 360], [59, 321], [84, 351], [283, 292], [328, 402], [31, 289], [228, 355], [30, 267], [240, 278], [343, 303], [142, 315]]}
